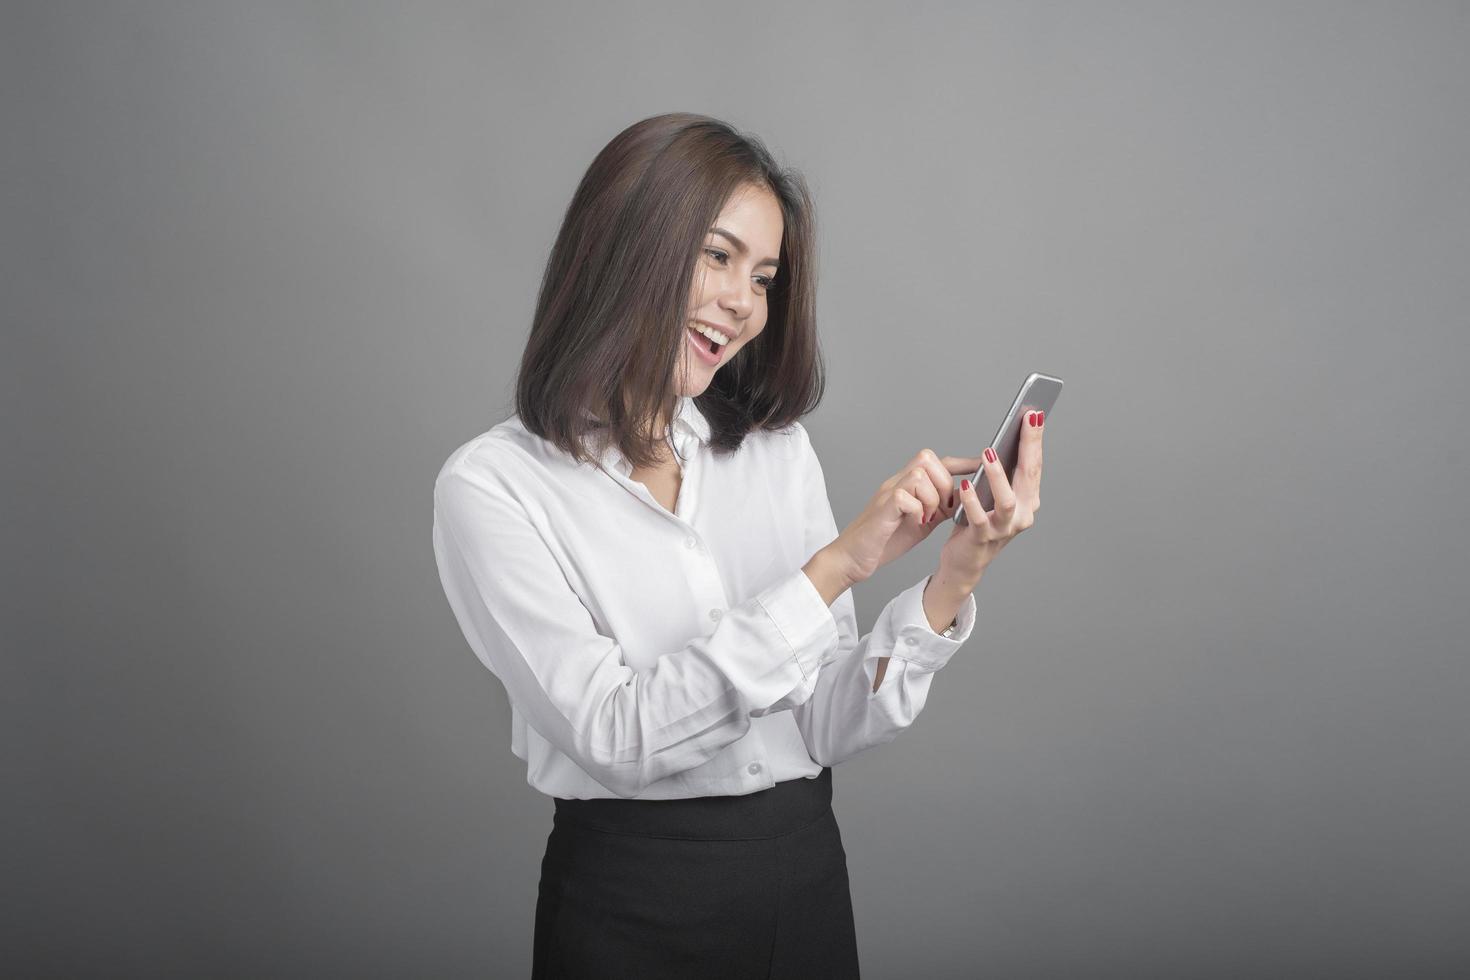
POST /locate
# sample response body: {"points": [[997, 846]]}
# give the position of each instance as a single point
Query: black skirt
{"points": [[747, 887]]}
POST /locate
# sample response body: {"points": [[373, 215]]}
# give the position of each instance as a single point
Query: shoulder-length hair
{"points": [[608, 330]]}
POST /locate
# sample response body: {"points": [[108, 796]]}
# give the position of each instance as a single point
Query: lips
{"points": [[701, 343]]}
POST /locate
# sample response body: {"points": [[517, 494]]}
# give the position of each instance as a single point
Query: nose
{"points": [[738, 298]]}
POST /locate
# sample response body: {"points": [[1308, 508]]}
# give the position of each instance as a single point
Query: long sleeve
{"points": [[626, 729], [845, 716]]}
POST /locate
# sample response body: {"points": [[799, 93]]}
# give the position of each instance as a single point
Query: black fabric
{"points": [[715, 887]]}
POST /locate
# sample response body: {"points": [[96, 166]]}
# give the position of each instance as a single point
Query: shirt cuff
{"points": [[916, 640], [803, 619]]}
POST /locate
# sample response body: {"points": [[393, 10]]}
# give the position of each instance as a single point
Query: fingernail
{"points": [[989, 454], [1031, 418], [964, 484], [951, 499], [1040, 418]]}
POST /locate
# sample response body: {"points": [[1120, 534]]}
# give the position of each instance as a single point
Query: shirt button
{"points": [[715, 614], [754, 768], [911, 641], [690, 542]]}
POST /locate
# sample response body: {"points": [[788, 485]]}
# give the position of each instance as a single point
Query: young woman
{"points": [[645, 556]]}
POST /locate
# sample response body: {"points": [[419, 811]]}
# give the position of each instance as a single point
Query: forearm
{"points": [[829, 580], [943, 595]]}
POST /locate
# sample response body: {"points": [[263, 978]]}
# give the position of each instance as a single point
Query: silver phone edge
{"points": [[959, 515]]}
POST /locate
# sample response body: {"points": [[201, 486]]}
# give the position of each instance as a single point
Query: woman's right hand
{"points": [[894, 519]]}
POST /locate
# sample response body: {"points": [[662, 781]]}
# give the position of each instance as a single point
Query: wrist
{"points": [[947, 586], [829, 572], [943, 598]]}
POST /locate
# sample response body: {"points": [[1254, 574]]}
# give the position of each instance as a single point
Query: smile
{"points": [[701, 345]]}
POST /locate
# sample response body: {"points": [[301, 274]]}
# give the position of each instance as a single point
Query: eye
{"points": [[767, 282]]}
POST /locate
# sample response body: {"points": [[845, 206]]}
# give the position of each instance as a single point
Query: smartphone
{"points": [[1038, 394]]}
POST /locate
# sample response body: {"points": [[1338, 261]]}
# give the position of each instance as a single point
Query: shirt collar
{"points": [[687, 414]]}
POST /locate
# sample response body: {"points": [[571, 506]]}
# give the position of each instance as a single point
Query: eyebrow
{"points": [[741, 246]]}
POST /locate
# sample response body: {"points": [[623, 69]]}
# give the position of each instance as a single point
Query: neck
{"points": [[660, 423]]}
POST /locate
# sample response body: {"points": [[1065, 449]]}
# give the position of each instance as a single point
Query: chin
{"points": [[695, 381], [696, 388]]}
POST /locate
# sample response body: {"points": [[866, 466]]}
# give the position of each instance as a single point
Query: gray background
{"points": [[265, 266]]}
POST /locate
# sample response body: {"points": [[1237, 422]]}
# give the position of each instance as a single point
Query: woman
{"points": [[645, 556]]}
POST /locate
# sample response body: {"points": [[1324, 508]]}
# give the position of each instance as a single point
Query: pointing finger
{"points": [[961, 465]]}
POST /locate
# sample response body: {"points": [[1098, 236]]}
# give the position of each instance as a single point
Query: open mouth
{"points": [[708, 349]]}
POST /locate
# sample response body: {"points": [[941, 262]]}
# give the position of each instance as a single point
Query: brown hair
{"points": [[609, 324]]}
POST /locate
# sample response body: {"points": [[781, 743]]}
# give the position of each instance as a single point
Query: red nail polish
{"points": [[1031, 418], [964, 484], [951, 500], [990, 455], [1040, 418]]}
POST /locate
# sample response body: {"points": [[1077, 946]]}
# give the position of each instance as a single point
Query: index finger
{"points": [[961, 465]]}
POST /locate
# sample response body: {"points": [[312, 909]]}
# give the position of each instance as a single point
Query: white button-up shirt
{"points": [[658, 655]]}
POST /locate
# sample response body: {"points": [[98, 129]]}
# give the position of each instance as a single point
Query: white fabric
{"points": [[659, 655]]}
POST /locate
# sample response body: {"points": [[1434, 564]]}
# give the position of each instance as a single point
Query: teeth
{"points": [[710, 332]]}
